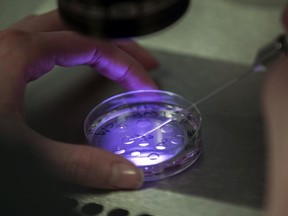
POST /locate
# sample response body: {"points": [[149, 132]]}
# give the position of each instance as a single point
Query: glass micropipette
{"points": [[266, 56]]}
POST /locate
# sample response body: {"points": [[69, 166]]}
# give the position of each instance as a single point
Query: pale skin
{"points": [[275, 106], [40, 42], [31, 48]]}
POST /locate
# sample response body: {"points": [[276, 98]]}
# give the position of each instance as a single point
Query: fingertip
{"points": [[126, 176], [151, 64], [134, 86], [142, 55]]}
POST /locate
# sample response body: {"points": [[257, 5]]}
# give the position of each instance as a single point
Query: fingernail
{"points": [[126, 176]]}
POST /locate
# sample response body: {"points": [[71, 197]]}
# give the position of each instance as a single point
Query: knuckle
{"points": [[12, 35], [79, 165], [14, 43], [126, 74]]}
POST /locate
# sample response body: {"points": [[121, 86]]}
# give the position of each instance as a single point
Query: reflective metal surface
{"points": [[216, 41]]}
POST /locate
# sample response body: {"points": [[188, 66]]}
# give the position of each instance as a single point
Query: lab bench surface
{"points": [[215, 42]]}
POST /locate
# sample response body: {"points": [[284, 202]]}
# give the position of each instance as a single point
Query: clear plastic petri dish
{"points": [[118, 124]]}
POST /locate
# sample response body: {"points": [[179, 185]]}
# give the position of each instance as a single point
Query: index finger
{"points": [[70, 49], [50, 21]]}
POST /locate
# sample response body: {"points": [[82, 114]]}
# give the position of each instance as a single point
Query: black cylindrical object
{"points": [[121, 18]]}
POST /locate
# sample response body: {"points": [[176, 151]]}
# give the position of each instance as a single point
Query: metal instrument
{"points": [[120, 18]]}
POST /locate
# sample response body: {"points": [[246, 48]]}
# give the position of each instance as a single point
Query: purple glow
{"points": [[117, 132], [123, 131]]}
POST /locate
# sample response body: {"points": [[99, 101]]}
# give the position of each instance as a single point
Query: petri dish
{"points": [[118, 124]]}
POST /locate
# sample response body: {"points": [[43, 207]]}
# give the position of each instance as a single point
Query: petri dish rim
{"points": [[88, 122], [172, 94]]}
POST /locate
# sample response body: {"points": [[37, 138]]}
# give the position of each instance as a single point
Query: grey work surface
{"points": [[211, 45], [228, 178]]}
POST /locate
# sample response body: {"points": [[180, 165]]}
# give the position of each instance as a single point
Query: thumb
{"points": [[92, 167], [80, 164], [85, 165]]}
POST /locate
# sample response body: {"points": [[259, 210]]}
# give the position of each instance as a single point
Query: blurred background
{"points": [[227, 30]]}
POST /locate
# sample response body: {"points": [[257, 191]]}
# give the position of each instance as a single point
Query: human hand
{"points": [[31, 48], [275, 107]]}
